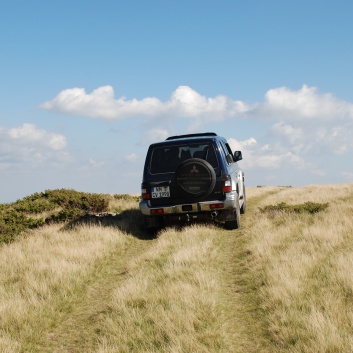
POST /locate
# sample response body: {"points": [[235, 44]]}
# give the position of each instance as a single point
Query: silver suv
{"points": [[190, 178]]}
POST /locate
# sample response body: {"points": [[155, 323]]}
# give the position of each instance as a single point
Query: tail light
{"points": [[214, 206], [156, 211], [145, 192], [227, 183]]}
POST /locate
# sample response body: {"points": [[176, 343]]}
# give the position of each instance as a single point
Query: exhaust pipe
{"points": [[214, 214]]}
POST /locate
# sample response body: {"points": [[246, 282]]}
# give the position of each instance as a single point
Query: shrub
{"points": [[13, 222], [18, 217], [307, 207], [127, 197]]}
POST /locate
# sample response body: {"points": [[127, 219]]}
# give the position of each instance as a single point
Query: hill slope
{"points": [[281, 283]]}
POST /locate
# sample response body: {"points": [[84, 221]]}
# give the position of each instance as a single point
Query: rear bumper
{"points": [[190, 208]]}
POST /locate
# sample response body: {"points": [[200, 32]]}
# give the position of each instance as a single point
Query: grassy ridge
{"points": [[282, 283], [51, 206]]}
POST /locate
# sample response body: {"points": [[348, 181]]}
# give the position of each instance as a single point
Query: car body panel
{"points": [[163, 194]]}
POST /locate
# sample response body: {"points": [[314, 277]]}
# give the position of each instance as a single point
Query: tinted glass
{"points": [[167, 158]]}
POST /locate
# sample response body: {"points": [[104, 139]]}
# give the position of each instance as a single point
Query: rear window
{"points": [[166, 159]]}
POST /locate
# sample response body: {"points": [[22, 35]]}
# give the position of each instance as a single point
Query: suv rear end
{"points": [[189, 178]]}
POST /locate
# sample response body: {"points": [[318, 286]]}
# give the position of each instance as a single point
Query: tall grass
{"points": [[169, 303], [41, 270], [104, 288], [282, 283], [304, 263]]}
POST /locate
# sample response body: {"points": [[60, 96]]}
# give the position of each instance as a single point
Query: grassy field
{"points": [[281, 283]]}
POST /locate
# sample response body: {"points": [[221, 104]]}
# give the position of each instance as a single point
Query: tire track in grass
{"points": [[244, 319], [73, 325]]}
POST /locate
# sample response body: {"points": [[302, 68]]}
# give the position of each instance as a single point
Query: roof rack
{"points": [[192, 135]]}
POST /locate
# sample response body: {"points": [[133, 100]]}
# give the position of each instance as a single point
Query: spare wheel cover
{"points": [[196, 177]]}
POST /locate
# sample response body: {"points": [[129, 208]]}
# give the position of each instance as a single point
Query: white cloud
{"points": [[187, 102], [306, 103], [29, 133], [101, 104], [292, 134], [246, 145], [131, 158], [154, 135], [302, 124], [258, 156], [280, 103], [315, 138], [304, 119], [29, 146], [184, 102]]}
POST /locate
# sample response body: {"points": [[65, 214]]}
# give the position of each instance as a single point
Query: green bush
{"points": [[307, 207], [64, 205], [13, 223]]}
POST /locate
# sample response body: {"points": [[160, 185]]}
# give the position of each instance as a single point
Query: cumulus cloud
{"points": [[306, 103], [101, 104], [264, 156], [302, 123], [28, 145], [291, 133], [30, 134], [279, 103], [315, 138], [183, 102]]}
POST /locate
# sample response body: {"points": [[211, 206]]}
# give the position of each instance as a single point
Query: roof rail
{"points": [[192, 135]]}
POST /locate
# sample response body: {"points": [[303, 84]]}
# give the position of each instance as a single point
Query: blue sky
{"points": [[86, 86]]}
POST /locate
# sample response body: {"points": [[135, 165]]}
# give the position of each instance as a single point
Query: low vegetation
{"points": [[303, 262], [51, 206], [281, 283], [282, 207]]}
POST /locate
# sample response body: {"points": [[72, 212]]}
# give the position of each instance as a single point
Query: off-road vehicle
{"points": [[192, 177]]}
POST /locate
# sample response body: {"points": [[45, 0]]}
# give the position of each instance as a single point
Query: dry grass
{"points": [[119, 203], [169, 301], [42, 269], [304, 263], [282, 283]]}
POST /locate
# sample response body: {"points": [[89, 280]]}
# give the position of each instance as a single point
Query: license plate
{"points": [[160, 191]]}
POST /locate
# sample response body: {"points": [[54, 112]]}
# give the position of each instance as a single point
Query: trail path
{"points": [[245, 321], [75, 322], [74, 325]]}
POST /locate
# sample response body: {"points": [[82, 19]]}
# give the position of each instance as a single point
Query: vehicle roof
{"points": [[209, 136], [192, 135]]}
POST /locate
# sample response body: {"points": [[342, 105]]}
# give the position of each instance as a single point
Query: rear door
{"points": [[164, 163]]}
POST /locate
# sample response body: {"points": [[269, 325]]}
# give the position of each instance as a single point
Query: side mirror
{"points": [[237, 156]]}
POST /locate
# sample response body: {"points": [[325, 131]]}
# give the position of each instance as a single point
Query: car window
{"points": [[224, 150], [166, 159], [229, 149]]}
